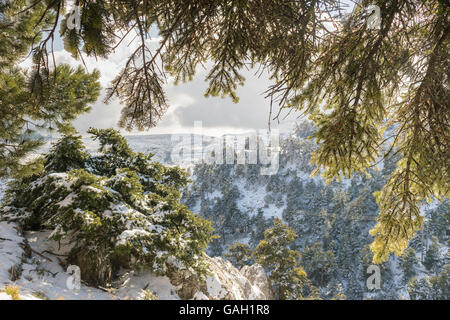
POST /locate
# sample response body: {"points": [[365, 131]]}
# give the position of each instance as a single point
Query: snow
{"points": [[47, 279], [4, 296], [251, 198], [10, 250], [126, 235], [134, 286], [200, 296], [273, 211], [214, 287], [43, 276], [3, 183], [67, 201], [213, 195]]}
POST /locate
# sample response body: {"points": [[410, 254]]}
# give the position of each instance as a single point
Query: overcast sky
{"points": [[186, 100]]}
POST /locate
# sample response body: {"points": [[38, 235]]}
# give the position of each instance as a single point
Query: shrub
{"points": [[239, 254], [118, 208], [13, 291], [281, 263]]}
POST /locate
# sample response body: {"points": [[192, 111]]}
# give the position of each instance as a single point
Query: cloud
{"points": [[186, 100]]}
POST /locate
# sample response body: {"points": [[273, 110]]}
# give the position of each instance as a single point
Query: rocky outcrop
{"points": [[225, 282], [257, 277]]}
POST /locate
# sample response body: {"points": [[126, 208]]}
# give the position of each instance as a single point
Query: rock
{"points": [[225, 282], [257, 277]]}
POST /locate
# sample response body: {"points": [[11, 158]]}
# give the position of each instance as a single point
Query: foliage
{"points": [[148, 295], [431, 288], [319, 265], [409, 263], [281, 263], [432, 257], [239, 254], [118, 208], [13, 291], [24, 112], [364, 88], [39, 99]]}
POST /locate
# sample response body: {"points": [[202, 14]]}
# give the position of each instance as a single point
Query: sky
{"points": [[187, 103]]}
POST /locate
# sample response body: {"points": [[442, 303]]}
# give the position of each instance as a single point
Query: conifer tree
{"points": [[432, 257], [356, 83], [281, 263], [431, 288], [38, 99], [440, 220], [239, 254], [260, 224], [409, 263], [119, 208], [319, 265]]}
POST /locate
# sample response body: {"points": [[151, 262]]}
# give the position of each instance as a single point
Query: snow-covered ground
{"points": [[39, 264], [33, 266], [42, 275]]}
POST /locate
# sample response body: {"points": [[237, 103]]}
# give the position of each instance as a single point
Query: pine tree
{"points": [[319, 265], [440, 220], [42, 98], [409, 263], [260, 224], [339, 293], [281, 263], [239, 254], [24, 111], [355, 82], [119, 208], [355, 289], [431, 288], [67, 153], [432, 257]]}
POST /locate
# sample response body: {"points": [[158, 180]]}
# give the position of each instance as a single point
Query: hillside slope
{"points": [[332, 221], [35, 265]]}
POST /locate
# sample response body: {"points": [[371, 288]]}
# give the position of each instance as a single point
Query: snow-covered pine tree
{"points": [[431, 288], [281, 263], [118, 208], [239, 254], [319, 264], [432, 257], [409, 262]]}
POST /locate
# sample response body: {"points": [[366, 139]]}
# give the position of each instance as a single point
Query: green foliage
{"points": [[440, 220], [432, 257], [319, 265], [13, 291], [43, 98], [370, 92], [239, 254], [66, 154], [119, 208], [148, 295], [281, 263], [431, 288], [409, 263], [24, 110]]}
